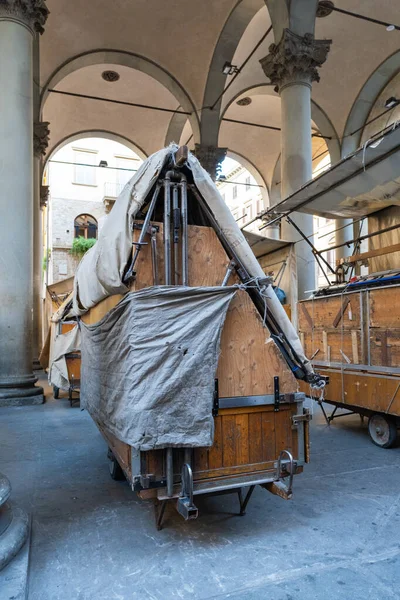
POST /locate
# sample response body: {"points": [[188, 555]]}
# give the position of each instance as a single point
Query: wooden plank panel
{"points": [[249, 359], [242, 439], [268, 435], [215, 452], [323, 312], [363, 390], [208, 261], [229, 441], [200, 459], [283, 431], [385, 308], [255, 439]]}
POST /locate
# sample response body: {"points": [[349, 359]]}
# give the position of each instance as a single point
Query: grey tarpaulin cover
{"points": [[101, 270], [60, 345], [148, 366]]}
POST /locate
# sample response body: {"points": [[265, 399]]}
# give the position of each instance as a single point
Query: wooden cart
{"points": [[261, 427], [355, 339], [73, 360]]}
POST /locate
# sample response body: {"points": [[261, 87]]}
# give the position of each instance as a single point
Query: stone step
{"points": [[5, 489]]}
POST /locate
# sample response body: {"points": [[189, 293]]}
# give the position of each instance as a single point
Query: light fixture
{"points": [[103, 163], [222, 178], [324, 8], [110, 76], [229, 69], [390, 28], [391, 102], [244, 101]]}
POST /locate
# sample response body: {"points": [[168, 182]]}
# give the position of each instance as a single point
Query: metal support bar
{"points": [[244, 503], [159, 510], [314, 250], [184, 216], [229, 271], [138, 246], [170, 472], [167, 227], [176, 218], [154, 258]]}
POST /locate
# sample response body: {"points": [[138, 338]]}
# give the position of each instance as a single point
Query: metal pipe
{"points": [[184, 215], [176, 217], [130, 273], [167, 227], [229, 271], [154, 258], [170, 472]]}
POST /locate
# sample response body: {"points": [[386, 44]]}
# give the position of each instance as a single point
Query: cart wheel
{"points": [[56, 392], [382, 430], [115, 470]]}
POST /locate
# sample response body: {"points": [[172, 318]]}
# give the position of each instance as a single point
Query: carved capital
{"points": [[210, 158], [41, 134], [33, 13], [44, 195], [295, 59]]}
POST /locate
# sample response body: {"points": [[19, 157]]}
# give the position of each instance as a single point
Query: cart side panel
{"points": [[376, 393], [246, 440]]}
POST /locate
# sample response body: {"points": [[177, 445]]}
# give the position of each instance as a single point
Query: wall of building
{"points": [[79, 186]]}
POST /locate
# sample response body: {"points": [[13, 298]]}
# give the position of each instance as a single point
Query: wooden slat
{"points": [[354, 346], [370, 254], [255, 437], [242, 440], [215, 458], [306, 315], [229, 440], [340, 313]]}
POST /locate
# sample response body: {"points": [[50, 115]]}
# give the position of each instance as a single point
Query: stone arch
{"points": [[99, 133], [134, 61], [365, 100], [319, 116], [225, 48], [175, 128]]}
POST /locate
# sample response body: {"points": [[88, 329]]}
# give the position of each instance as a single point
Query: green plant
{"points": [[81, 245], [46, 259]]}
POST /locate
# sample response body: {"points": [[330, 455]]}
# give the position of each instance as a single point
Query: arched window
{"points": [[85, 226]]}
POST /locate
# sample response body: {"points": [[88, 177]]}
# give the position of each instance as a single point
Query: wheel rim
{"points": [[379, 430]]}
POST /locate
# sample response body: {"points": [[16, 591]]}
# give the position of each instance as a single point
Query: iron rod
{"points": [[170, 472], [184, 215], [167, 228], [143, 233], [176, 229]]}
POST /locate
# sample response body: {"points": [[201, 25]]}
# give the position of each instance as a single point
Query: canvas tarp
{"points": [[62, 344], [101, 270], [148, 367]]}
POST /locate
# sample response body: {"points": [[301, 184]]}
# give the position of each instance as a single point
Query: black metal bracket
{"points": [[277, 395], [215, 408]]}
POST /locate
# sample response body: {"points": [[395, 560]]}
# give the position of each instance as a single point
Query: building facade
{"points": [[84, 177]]}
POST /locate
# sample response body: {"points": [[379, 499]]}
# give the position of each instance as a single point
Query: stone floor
{"points": [[92, 539]]}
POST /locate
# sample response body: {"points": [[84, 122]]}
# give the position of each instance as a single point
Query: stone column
{"points": [[18, 21], [210, 158], [40, 142], [291, 65]]}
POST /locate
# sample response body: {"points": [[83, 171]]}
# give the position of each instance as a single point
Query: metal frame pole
{"points": [[184, 215]]}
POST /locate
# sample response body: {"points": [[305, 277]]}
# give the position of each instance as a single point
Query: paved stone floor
{"points": [[92, 539]]}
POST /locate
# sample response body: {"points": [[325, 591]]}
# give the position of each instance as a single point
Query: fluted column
{"points": [[40, 142], [292, 66], [210, 158], [18, 21]]}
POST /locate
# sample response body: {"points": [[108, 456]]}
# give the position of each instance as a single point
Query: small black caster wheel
{"points": [[115, 470], [382, 430], [56, 392]]}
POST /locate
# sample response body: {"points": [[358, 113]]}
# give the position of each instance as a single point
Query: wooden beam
{"points": [[370, 254]]}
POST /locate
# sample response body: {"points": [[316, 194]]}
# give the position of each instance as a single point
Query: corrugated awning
{"points": [[360, 184]]}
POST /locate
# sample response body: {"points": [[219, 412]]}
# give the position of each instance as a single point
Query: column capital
{"points": [[295, 59], [32, 13], [44, 195], [41, 133], [210, 158]]}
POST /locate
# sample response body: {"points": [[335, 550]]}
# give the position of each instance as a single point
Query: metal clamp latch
{"points": [[297, 419], [185, 505]]}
